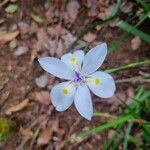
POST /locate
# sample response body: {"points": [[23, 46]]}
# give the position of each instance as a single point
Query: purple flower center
{"points": [[78, 77]]}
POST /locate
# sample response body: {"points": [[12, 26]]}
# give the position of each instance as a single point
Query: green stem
{"points": [[125, 144], [129, 66], [91, 27]]}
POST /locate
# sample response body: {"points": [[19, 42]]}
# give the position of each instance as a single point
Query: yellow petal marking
{"points": [[65, 91], [73, 59], [97, 81]]}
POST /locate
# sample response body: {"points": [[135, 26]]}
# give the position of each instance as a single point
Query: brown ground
{"points": [[19, 72]]}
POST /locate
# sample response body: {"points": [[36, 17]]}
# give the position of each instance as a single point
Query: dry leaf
{"points": [[43, 39], [42, 97], [53, 31], [6, 37], [45, 136], [24, 27], [49, 15], [13, 44], [37, 18], [136, 43], [67, 37], [21, 50], [18, 107], [60, 48], [72, 9], [26, 133], [90, 37], [126, 7], [42, 81]]}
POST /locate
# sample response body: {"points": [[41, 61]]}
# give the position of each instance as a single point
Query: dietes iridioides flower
{"points": [[80, 71]]}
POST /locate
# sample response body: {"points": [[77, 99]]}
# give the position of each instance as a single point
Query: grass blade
{"points": [[125, 144], [116, 7], [123, 37], [114, 136], [145, 6], [118, 121], [133, 30]]}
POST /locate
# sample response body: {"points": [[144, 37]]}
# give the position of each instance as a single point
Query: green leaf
{"points": [[127, 132], [116, 7], [11, 8], [134, 140], [123, 37], [146, 131], [118, 121], [133, 30], [145, 6]]}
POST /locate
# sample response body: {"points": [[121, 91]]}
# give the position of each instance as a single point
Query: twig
{"points": [[133, 79]]}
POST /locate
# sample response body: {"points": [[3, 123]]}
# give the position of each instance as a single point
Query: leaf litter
{"points": [[42, 31]]}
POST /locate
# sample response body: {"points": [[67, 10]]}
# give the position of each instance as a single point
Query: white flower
{"points": [[81, 72]]}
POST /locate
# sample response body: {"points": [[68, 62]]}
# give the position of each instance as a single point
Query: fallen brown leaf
{"points": [[37, 18], [43, 39], [13, 44], [72, 10], [136, 43], [42, 80], [6, 37], [60, 48], [45, 136], [90, 37], [21, 50], [127, 7], [53, 31], [24, 27], [42, 97], [18, 107], [26, 133]]}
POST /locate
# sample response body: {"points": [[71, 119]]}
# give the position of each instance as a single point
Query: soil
{"points": [[18, 74]]}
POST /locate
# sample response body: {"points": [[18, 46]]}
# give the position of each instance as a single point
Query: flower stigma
{"points": [[78, 77]]}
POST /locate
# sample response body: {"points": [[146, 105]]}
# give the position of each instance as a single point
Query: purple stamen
{"points": [[78, 77]]}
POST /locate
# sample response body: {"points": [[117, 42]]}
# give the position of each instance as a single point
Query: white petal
{"points": [[94, 58], [77, 56], [62, 95], [56, 67], [101, 84], [83, 102]]}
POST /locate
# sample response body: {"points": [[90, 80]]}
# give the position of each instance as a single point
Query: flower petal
{"points": [[56, 67], [94, 58], [83, 102], [73, 60], [62, 95], [101, 84]]}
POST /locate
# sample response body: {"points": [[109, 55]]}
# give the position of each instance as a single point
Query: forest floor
{"points": [[48, 28]]}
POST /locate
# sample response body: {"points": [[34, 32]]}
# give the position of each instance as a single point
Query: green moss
{"points": [[6, 128]]}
